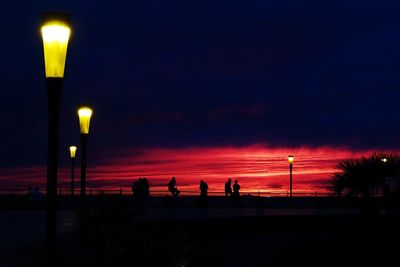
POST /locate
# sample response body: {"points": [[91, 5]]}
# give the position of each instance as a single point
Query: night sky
{"points": [[168, 77]]}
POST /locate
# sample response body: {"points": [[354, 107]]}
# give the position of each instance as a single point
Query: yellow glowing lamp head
{"points": [[384, 160], [290, 159], [55, 31], [72, 151], [84, 113]]}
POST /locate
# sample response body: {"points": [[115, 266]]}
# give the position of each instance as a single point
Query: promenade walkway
{"points": [[22, 230], [21, 227]]}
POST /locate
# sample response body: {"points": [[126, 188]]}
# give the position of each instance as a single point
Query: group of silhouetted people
{"points": [[228, 188], [141, 188], [204, 188], [34, 196]]}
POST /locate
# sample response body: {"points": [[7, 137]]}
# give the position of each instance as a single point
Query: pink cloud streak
{"points": [[257, 167]]}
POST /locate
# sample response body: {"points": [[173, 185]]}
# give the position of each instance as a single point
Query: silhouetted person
{"points": [[135, 188], [203, 189], [37, 197], [146, 187], [236, 188], [141, 188], [228, 187], [30, 196], [172, 188]]}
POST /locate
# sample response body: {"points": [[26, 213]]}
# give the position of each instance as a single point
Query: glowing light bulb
{"points": [[290, 159], [84, 113], [72, 151], [55, 35]]}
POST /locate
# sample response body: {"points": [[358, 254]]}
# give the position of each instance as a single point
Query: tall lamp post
{"points": [[72, 153], [291, 159], [84, 113], [55, 31]]}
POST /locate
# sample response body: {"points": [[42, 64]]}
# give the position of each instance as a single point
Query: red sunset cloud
{"points": [[258, 168]]}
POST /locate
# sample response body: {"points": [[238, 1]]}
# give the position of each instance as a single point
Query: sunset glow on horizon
{"points": [[257, 167]]}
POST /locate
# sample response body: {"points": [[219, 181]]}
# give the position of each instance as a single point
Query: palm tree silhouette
{"points": [[364, 176]]}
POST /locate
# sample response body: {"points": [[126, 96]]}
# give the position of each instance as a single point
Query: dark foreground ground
{"points": [[117, 234]]}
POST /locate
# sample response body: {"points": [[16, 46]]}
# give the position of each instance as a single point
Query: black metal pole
{"points": [[84, 141], [291, 185], [72, 176], [54, 87]]}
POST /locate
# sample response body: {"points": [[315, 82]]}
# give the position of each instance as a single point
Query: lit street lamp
{"points": [[290, 159], [55, 31], [84, 113], [72, 153]]}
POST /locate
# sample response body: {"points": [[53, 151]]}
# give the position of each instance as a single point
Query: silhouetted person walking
{"points": [[228, 187], [135, 188], [203, 189], [172, 188], [236, 188]]}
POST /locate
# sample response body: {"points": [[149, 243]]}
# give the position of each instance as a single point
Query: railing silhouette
{"points": [[64, 191]]}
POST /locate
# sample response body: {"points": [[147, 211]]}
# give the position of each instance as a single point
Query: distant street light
{"points": [[384, 160], [72, 153], [55, 30], [291, 159], [84, 113]]}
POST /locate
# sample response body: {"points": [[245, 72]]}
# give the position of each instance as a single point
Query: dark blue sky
{"points": [[206, 73]]}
